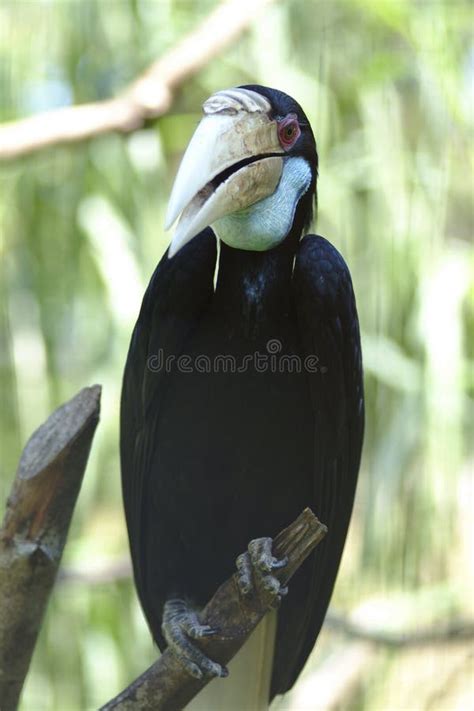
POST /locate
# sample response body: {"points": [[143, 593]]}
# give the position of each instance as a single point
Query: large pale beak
{"points": [[232, 161]]}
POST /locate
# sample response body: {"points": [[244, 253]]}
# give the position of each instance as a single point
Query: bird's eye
{"points": [[288, 131]]}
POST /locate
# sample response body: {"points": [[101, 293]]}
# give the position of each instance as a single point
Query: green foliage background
{"points": [[388, 87]]}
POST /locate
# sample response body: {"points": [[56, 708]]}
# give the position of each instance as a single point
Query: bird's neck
{"points": [[254, 288]]}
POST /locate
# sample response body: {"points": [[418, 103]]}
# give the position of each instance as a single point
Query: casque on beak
{"points": [[233, 160]]}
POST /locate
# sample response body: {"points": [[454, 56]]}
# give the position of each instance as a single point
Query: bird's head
{"points": [[250, 167]]}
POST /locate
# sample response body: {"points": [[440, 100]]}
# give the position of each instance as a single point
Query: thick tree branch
{"points": [[166, 686], [148, 97], [35, 528]]}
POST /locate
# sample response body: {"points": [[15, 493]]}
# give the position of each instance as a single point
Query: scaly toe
{"points": [[255, 571], [180, 623], [260, 551], [244, 574]]}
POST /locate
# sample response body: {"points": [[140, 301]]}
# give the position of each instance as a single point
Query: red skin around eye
{"points": [[289, 131]]}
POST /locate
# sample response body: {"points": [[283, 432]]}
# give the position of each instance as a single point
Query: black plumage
{"points": [[212, 459]]}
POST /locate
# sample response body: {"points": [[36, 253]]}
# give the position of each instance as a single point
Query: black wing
{"points": [[329, 331], [178, 293]]}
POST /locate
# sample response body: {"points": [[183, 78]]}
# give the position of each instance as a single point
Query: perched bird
{"points": [[242, 397]]}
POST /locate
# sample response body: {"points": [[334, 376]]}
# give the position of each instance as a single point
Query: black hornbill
{"points": [[242, 397]]}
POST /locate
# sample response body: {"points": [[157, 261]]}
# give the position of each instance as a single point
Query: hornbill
{"points": [[242, 397]]}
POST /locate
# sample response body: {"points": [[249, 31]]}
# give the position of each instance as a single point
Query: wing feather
{"points": [[329, 330], [179, 291]]}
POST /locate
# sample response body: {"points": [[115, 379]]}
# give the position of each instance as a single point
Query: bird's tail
{"points": [[247, 687]]}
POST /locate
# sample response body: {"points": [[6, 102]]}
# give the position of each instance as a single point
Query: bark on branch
{"points": [[166, 686], [148, 97], [35, 528]]}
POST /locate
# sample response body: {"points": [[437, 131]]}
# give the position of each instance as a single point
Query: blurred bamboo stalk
{"points": [[166, 685], [35, 528], [336, 679], [147, 97]]}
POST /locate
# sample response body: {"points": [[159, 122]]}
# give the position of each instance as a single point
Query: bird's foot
{"points": [[255, 572], [181, 624]]}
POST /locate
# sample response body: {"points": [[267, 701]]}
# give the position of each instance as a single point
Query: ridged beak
{"points": [[232, 161]]}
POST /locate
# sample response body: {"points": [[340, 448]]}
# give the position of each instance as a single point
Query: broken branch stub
{"points": [[35, 528]]}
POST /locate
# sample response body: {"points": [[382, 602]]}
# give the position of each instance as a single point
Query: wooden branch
{"points": [[35, 528], [453, 631], [148, 97], [166, 686], [110, 572]]}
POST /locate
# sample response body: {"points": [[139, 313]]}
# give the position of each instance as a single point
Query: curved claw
{"points": [[279, 563], [198, 631]]}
